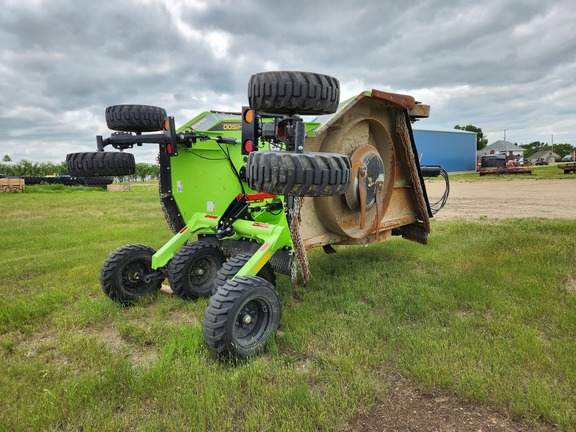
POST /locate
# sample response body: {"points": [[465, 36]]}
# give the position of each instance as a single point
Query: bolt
{"points": [[247, 319]]}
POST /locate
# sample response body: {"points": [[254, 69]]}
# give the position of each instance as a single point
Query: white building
{"points": [[502, 147]]}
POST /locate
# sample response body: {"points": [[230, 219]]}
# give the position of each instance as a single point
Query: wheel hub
{"points": [[202, 271], [134, 277], [133, 273], [367, 171]]}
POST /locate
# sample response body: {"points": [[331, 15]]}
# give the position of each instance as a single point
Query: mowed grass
{"points": [[487, 311]]}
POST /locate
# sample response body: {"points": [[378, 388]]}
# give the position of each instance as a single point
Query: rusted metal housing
{"points": [[387, 195]]}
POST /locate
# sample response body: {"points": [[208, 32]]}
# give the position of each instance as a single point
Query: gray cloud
{"points": [[496, 65]]}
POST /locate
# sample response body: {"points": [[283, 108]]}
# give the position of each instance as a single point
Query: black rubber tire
{"points": [[291, 92], [193, 270], [72, 181], [233, 266], [135, 118], [94, 181], [227, 332], [299, 174], [32, 180], [121, 270], [95, 164]]}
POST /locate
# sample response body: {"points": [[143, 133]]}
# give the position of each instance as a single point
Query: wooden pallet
{"points": [[16, 185]]}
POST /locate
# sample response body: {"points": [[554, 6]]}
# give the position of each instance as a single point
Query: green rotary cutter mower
{"points": [[247, 193]]}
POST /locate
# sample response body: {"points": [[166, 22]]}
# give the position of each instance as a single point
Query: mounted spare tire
{"points": [[299, 174], [135, 118], [95, 164], [287, 92]]}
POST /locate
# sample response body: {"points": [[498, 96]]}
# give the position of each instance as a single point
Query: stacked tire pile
{"points": [[69, 181]]}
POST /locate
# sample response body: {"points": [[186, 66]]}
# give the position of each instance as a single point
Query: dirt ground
{"points": [[515, 198], [406, 406]]}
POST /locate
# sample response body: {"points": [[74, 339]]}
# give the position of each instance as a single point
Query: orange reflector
{"points": [[166, 124], [249, 116]]}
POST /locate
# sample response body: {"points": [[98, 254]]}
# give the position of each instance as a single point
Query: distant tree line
{"points": [[147, 171], [144, 171], [27, 168], [560, 149]]}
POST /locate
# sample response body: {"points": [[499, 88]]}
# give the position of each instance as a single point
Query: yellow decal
{"points": [[231, 126]]}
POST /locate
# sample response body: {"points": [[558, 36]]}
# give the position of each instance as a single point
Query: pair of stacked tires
{"points": [[244, 312], [121, 118]]}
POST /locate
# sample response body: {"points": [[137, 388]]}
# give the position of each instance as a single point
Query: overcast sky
{"points": [[498, 65]]}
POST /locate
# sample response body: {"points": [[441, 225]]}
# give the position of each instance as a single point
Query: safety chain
{"points": [[402, 130], [300, 258]]}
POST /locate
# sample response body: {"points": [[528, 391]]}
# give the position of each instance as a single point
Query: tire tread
{"points": [[299, 174], [290, 92], [96, 164]]}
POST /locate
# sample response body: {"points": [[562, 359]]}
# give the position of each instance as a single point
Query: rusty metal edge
{"points": [[399, 99]]}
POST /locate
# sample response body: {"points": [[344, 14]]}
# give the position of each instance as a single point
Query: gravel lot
{"points": [[514, 198]]}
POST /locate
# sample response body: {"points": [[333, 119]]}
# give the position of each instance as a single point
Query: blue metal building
{"points": [[454, 150]]}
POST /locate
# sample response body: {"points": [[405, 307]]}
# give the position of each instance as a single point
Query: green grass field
{"points": [[538, 173], [486, 311]]}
